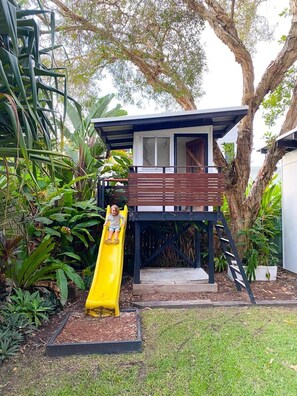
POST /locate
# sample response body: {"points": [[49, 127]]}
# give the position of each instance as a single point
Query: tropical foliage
{"points": [[261, 248], [83, 144], [50, 156], [20, 317], [28, 85], [28, 270], [117, 165]]}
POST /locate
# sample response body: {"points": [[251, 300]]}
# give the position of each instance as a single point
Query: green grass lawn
{"points": [[219, 352]]}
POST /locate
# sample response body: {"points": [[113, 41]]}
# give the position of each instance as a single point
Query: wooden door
{"points": [[195, 154]]}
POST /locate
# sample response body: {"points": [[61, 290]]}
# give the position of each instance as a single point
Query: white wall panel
{"points": [[289, 211]]}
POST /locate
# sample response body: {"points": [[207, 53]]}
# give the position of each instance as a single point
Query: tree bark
{"points": [[291, 118]]}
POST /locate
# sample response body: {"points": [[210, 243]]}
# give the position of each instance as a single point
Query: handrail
{"points": [[136, 168]]}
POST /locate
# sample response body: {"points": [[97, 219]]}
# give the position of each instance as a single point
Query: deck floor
{"points": [[173, 280]]}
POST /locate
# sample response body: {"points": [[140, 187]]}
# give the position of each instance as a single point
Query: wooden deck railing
{"points": [[198, 189]]}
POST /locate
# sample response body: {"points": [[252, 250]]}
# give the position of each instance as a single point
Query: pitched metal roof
{"points": [[117, 132], [287, 141]]}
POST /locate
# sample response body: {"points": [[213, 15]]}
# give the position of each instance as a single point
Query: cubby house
{"points": [[173, 179]]}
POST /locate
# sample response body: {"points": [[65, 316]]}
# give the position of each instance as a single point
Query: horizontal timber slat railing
{"points": [[175, 186]]}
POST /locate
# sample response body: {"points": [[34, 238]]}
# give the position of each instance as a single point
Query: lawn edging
{"points": [[208, 304]]}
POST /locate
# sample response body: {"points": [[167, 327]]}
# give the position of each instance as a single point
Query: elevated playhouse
{"points": [[173, 179]]}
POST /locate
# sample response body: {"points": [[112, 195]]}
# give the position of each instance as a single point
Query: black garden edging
{"points": [[86, 348]]}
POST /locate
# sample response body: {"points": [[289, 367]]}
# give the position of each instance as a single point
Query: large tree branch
{"points": [[265, 174], [272, 157], [224, 28], [83, 22], [152, 72], [291, 116], [275, 72], [219, 159]]}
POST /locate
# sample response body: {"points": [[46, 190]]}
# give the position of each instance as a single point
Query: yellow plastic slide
{"points": [[103, 298]]}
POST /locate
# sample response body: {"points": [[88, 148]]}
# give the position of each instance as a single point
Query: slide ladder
{"points": [[104, 294], [232, 257]]}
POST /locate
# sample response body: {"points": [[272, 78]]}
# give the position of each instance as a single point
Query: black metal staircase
{"points": [[232, 257]]}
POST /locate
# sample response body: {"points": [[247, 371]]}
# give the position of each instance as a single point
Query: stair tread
{"points": [[240, 282], [224, 240], [235, 268], [229, 254]]}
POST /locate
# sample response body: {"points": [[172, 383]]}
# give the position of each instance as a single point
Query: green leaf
{"points": [[8, 23], [13, 62], [60, 217], [83, 216], [70, 254], [48, 271], [86, 205], [44, 220], [74, 114], [89, 223], [88, 234], [52, 232], [31, 263], [81, 237], [74, 277], [63, 285]]}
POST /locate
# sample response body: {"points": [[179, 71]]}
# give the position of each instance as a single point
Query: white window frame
{"points": [[156, 149]]}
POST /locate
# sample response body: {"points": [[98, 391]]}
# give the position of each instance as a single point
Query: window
{"points": [[156, 151]]}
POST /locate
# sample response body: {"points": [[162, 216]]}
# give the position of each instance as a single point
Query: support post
{"points": [[210, 252], [197, 249], [137, 257]]}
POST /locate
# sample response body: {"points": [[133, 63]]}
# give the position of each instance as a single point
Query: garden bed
{"points": [[81, 334]]}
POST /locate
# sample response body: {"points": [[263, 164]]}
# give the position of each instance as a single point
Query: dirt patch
{"points": [[82, 328]]}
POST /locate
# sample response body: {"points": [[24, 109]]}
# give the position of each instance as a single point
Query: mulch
{"points": [[81, 328]]}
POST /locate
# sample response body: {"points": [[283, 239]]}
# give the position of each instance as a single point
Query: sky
{"points": [[223, 80]]}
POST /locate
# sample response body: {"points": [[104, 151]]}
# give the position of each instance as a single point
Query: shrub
{"points": [[33, 306], [19, 318], [38, 266]]}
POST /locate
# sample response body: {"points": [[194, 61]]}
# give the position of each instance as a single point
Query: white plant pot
{"points": [[263, 273]]}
